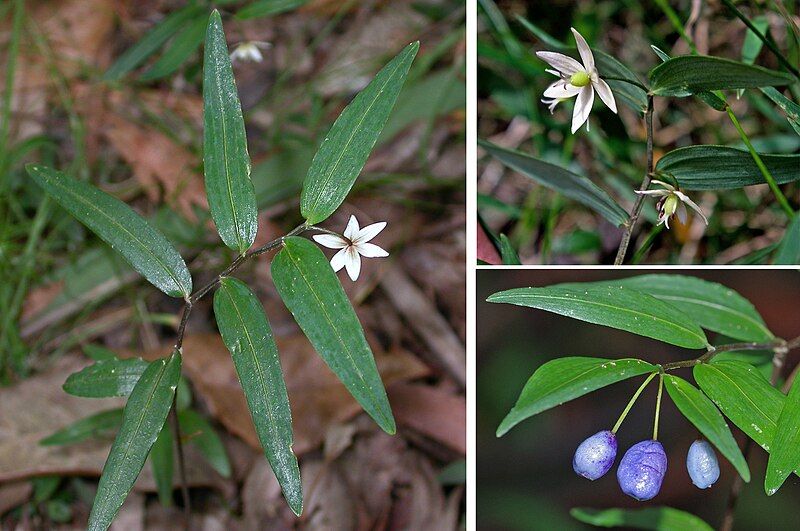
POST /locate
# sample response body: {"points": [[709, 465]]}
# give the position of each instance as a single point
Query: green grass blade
{"points": [[248, 336], [182, 46]]}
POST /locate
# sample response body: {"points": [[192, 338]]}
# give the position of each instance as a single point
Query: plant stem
{"points": [[761, 166], [637, 205], [778, 344], [658, 404], [187, 309], [631, 402]]}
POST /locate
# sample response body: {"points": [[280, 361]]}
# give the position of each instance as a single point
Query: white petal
{"points": [[368, 232], [353, 263], [554, 72], [658, 193], [330, 241], [585, 51], [665, 185], [604, 91], [561, 89], [339, 259], [563, 63], [370, 250], [583, 106], [685, 198], [255, 55], [681, 213], [666, 220], [352, 229]]}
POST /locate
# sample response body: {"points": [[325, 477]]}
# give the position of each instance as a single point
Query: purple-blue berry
{"points": [[702, 464], [642, 470], [595, 456]]}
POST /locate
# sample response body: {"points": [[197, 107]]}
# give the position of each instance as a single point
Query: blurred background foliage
{"points": [[110, 91], [543, 226], [525, 479]]}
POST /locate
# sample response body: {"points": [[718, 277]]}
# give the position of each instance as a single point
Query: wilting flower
{"points": [[352, 245], [577, 79], [672, 201], [249, 51]]}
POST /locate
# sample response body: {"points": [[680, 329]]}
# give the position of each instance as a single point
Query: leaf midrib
{"points": [[761, 326]]}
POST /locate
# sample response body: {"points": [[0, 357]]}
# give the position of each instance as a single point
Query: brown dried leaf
{"points": [[433, 412]]}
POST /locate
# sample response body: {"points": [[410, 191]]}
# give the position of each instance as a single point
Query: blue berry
{"points": [[642, 470], [595, 456], [702, 464]]}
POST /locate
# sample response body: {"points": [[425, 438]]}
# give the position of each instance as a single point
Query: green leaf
{"points": [[744, 396], [709, 98], [712, 306], [161, 461], [507, 251], [231, 195], [690, 74], [146, 249], [309, 288], [144, 416], [791, 109], [564, 379], [789, 249], [106, 378], [615, 306], [199, 432], [785, 455], [752, 43], [92, 426], [346, 147], [182, 46], [709, 167], [264, 8], [574, 186], [702, 412], [654, 518], [248, 336], [151, 42]]}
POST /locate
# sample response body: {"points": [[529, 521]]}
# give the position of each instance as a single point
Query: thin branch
{"points": [[776, 345], [637, 206]]}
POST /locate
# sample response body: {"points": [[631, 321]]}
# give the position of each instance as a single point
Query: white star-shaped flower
{"points": [[352, 245], [577, 79], [672, 201], [250, 51]]}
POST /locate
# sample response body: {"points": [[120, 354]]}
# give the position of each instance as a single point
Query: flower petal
{"points": [[685, 198], [370, 250], [658, 193], [561, 89], [681, 213], [604, 91], [352, 229], [368, 232], [563, 63], [586, 53], [665, 185], [353, 263], [330, 241], [339, 259], [583, 106]]}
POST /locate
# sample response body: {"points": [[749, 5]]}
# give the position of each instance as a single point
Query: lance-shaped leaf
{"points": [[309, 288], [200, 434], [96, 425], [690, 74], [182, 46], [564, 379], [713, 306], [231, 196], [789, 248], [572, 185], [144, 416], [248, 336], [652, 518], [613, 306], [785, 454], [346, 147], [744, 396], [702, 412], [145, 248], [791, 109], [114, 377], [265, 8], [722, 167], [161, 461], [152, 41]]}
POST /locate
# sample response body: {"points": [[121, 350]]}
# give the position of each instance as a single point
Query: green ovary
{"points": [[579, 79]]}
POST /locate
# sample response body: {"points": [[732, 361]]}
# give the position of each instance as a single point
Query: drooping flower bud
{"points": [[702, 464], [595, 456], [641, 470]]}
